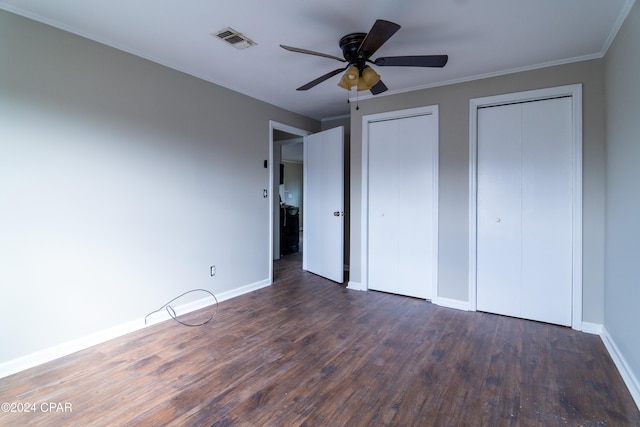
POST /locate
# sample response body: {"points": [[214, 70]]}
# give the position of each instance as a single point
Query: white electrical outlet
{"points": [[212, 270]]}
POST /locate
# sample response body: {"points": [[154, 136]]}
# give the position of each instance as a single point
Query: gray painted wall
{"points": [[622, 289], [121, 182], [453, 102]]}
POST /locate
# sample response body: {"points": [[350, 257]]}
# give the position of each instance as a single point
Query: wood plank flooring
{"points": [[308, 352]]}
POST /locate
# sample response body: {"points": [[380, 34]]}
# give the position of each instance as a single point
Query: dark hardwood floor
{"points": [[306, 351]]}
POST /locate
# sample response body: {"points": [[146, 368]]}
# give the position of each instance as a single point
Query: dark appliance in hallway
{"points": [[289, 229]]}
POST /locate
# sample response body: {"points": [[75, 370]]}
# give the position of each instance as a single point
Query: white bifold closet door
{"points": [[401, 218], [524, 206]]}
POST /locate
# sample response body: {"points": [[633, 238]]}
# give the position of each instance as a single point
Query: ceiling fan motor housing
{"points": [[350, 45]]}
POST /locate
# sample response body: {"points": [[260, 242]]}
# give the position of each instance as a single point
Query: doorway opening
{"points": [[286, 197]]}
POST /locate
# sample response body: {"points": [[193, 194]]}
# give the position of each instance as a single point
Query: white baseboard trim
{"points": [[452, 303], [243, 290], [51, 353], [629, 378], [592, 328], [356, 286], [48, 354]]}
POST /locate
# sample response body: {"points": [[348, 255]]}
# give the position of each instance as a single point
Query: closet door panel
{"points": [[383, 207], [547, 210], [415, 206], [499, 264]]}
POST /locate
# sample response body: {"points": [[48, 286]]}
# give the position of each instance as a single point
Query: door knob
{"points": [[338, 213]]}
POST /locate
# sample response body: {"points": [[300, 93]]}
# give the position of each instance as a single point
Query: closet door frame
{"points": [[364, 237], [575, 92]]}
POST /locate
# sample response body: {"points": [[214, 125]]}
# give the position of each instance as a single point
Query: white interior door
{"points": [[323, 250], [402, 205], [524, 210]]}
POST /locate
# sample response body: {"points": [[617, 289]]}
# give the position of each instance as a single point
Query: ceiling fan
{"points": [[357, 49]]}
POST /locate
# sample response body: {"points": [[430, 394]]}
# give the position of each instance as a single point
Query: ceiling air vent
{"points": [[234, 38]]}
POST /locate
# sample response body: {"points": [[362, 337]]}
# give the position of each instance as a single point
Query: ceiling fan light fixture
{"points": [[352, 74], [345, 83], [368, 79], [363, 80], [362, 86], [350, 78]]}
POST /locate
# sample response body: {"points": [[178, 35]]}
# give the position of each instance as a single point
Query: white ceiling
{"points": [[482, 38]]}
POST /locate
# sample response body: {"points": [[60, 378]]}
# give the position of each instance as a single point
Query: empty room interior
{"points": [[333, 213]]}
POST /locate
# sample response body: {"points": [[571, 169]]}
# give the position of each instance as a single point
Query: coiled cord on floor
{"points": [[172, 312]]}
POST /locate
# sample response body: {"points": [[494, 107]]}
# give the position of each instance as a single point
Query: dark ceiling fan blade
{"points": [[380, 32], [321, 79], [311, 52], [413, 61], [378, 88]]}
